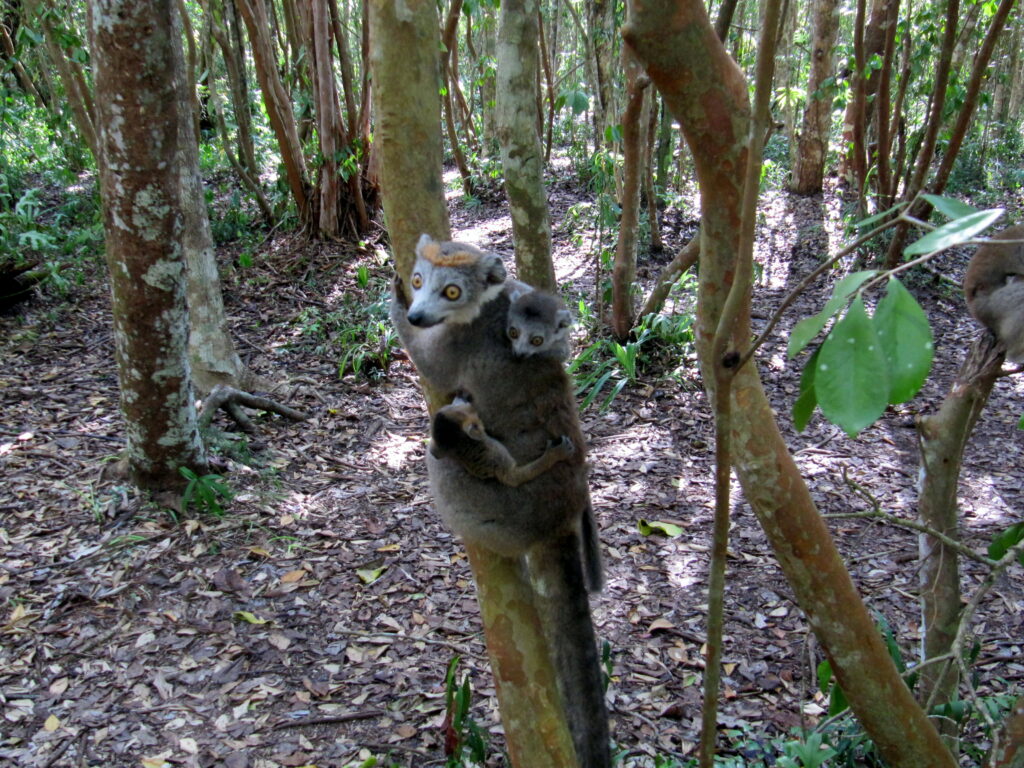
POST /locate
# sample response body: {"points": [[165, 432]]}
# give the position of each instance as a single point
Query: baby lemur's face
{"points": [[538, 324], [451, 282]]}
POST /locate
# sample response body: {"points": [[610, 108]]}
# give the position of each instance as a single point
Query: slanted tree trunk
{"points": [[406, 76], [978, 72], [812, 143], [278, 104], [138, 120], [707, 93], [522, 155]]}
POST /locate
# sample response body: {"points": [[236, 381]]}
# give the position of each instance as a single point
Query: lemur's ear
{"points": [[427, 248], [493, 269]]}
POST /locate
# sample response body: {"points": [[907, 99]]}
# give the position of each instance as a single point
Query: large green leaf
{"points": [[805, 331], [906, 338], [950, 207], [954, 232], [852, 377], [807, 401]]}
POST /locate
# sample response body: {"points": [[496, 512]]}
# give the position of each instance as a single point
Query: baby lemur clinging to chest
{"points": [[459, 434], [994, 289], [456, 332]]}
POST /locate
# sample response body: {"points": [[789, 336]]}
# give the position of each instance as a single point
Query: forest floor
{"points": [[313, 622]]}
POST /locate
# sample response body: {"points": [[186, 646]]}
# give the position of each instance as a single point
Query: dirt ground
{"points": [[314, 621]]}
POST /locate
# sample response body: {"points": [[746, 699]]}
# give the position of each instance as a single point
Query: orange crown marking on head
{"points": [[459, 257]]}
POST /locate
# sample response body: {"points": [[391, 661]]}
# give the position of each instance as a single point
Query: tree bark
{"points": [[633, 142], [138, 116], [942, 437], [812, 144], [403, 57], [707, 93], [278, 104], [522, 155]]}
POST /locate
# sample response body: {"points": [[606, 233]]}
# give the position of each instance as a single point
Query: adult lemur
{"points": [[455, 332], [994, 289]]}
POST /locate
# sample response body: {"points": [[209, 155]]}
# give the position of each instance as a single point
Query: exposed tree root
{"points": [[231, 401]]}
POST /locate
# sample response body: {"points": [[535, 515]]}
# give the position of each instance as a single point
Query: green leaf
{"points": [[865, 223], [1003, 541], [852, 378], [906, 338], [251, 618], [950, 207], [805, 331], [370, 575], [805, 404], [648, 528], [953, 232]]}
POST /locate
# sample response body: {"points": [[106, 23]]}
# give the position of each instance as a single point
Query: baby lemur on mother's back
{"points": [[456, 332]]}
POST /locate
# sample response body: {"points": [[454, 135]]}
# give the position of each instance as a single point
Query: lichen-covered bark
{"points": [[522, 156], [707, 93], [137, 107], [212, 354]]}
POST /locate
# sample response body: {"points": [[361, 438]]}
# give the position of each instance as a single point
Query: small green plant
{"points": [[607, 362], [463, 738], [206, 491]]}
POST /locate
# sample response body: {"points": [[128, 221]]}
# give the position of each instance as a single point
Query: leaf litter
{"points": [[314, 622]]}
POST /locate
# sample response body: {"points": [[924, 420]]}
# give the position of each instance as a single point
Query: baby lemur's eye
{"points": [[536, 340], [417, 281], [513, 333], [452, 292]]}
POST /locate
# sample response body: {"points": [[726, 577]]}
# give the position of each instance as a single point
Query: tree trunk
{"points": [[404, 60], [522, 155], [138, 116], [212, 355], [688, 63], [278, 104], [942, 437], [812, 144], [633, 142], [931, 130]]}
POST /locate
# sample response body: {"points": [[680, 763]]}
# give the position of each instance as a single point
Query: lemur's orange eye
{"points": [[452, 292], [417, 281], [536, 340], [513, 333]]}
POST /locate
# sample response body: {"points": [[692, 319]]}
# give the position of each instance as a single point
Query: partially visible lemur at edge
{"points": [[994, 289], [455, 333]]}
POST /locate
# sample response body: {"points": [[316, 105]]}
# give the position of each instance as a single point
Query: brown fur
{"points": [[994, 289]]}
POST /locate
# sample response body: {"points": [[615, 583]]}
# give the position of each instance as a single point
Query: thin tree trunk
{"points": [[687, 62], [278, 104], [522, 156], [633, 143], [138, 115], [406, 77], [812, 144], [942, 437], [931, 131], [653, 214]]}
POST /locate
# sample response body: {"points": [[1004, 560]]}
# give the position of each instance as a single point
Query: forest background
{"points": [[282, 593]]}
